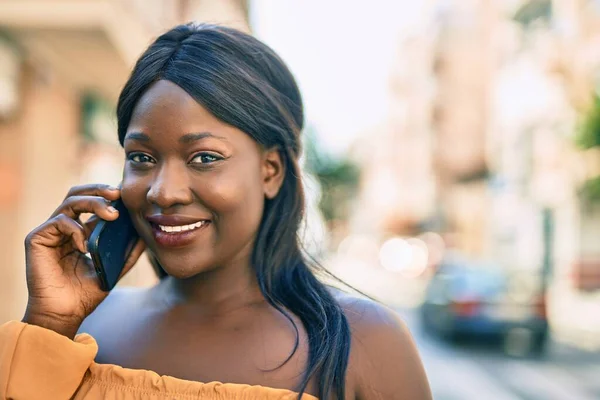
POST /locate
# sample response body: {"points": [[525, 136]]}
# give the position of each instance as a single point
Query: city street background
{"points": [[451, 161]]}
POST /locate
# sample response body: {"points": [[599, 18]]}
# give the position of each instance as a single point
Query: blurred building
{"points": [[545, 80], [576, 28], [426, 166], [397, 176], [480, 143], [62, 65], [464, 64], [578, 38], [513, 79]]}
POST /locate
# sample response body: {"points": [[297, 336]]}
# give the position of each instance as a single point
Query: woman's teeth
{"points": [[182, 228]]}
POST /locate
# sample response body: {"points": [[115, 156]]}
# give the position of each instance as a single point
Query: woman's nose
{"points": [[170, 188]]}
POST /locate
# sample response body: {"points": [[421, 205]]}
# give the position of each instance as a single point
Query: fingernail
{"points": [[112, 209], [114, 189], [85, 247]]}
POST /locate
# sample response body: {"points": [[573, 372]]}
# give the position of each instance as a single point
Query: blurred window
{"points": [[101, 158], [9, 79]]}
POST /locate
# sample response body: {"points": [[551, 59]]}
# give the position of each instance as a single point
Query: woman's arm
{"points": [[37, 363], [38, 359]]}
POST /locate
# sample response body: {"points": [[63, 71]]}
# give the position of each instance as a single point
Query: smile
{"points": [[176, 236], [182, 228]]}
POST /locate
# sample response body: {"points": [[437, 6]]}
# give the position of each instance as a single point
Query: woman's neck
{"points": [[214, 292]]}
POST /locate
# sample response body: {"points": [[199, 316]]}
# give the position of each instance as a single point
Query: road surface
{"points": [[479, 371]]}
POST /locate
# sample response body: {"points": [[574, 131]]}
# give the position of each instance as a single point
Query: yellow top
{"points": [[37, 363]]}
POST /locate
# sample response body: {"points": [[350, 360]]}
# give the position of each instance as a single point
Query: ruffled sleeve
{"points": [[37, 363]]}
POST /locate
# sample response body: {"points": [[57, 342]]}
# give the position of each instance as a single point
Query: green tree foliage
{"points": [[533, 11], [588, 136], [590, 191], [338, 177]]}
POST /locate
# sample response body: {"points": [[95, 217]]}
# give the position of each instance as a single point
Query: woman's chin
{"points": [[185, 272]]}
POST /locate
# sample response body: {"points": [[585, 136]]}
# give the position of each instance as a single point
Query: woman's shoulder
{"points": [[367, 317], [364, 313], [383, 358], [117, 307]]}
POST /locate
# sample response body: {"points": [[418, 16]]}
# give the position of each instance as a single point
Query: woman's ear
{"points": [[273, 172]]}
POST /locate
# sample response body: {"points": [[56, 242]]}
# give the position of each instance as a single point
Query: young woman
{"points": [[210, 122]]}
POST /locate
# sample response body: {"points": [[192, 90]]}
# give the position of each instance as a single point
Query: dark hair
{"points": [[244, 83]]}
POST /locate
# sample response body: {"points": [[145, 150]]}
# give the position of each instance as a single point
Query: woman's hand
{"points": [[62, 283]]}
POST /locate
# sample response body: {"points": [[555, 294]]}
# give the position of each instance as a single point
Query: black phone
{"points": [[110, 244]]}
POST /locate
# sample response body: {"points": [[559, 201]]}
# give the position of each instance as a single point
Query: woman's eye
{"points": [[205, 158], [140, 158]]}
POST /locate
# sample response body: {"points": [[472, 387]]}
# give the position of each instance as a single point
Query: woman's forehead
{"points": [[166, 111], [166, 99]]}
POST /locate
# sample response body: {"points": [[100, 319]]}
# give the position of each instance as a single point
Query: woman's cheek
{"points": [[131, 192], [223, 192]]}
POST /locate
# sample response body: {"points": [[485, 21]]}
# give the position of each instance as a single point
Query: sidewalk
{"points": [[575, 316]]}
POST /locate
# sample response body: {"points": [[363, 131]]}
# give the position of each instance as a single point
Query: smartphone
{"points": [[110, 244]]}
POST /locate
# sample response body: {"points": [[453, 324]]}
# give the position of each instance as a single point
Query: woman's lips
{"points": [[177, 236], [176, 230]]}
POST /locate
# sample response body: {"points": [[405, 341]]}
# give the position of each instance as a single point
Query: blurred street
{"points": [[479, 370], [476, 368], [451, 161]]}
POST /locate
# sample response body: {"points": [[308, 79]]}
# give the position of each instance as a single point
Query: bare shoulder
{"points": [[117, 307], [384, 362], [365, 314]]}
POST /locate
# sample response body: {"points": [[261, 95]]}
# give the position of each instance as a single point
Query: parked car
{"points": [[482, 300]]}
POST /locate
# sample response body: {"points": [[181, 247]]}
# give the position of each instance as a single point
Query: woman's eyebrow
{"points": [[137, 136], [185, 139], [192, 137]]}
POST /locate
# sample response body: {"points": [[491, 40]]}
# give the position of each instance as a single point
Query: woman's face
{"points": [[194, 185]]}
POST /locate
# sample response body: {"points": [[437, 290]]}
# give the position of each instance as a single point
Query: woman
{"points": [[209, 121]]}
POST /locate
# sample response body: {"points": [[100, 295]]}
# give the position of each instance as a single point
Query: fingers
{"points": [[108, 192], [57, 231], [74, 206], [77, 194], [90, 224], [134, 256]]}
